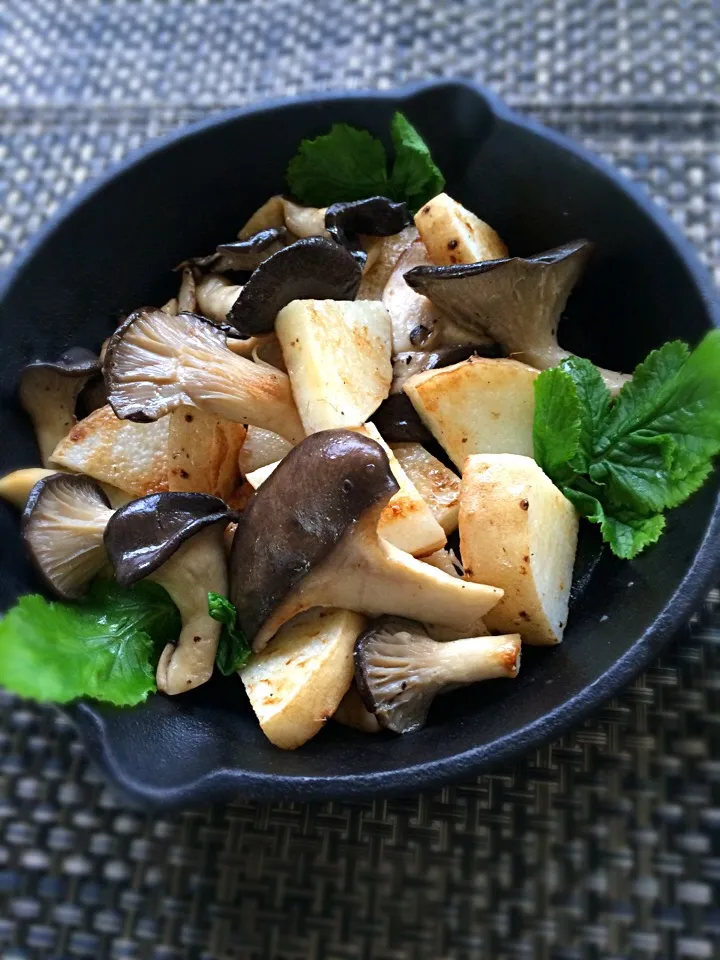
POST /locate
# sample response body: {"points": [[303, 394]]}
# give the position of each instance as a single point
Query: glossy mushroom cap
{"points": [[310, 269], [375, 217], [145, 533], [299, 514], [241, 255], [63, 526]]}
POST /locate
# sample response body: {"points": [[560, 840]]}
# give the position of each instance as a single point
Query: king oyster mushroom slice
{"points": [[309, 538], [242, 255], [310, 269], [399, 669], [48, 392], [517, 301], [63, 526], [156, 363], [375, 217], [176, 539], [396, 417]]}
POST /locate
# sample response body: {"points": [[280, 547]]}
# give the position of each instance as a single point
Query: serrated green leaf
{"points": [[556, 424], [594, 402], [415, 177], [344, 164], [628, 536], [105, 647]]}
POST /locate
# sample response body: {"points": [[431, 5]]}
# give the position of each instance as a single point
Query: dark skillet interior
{"points": [[114, 251]]}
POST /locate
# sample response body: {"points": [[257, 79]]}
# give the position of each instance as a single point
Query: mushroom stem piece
{"points": [[214, 296], [309, 538], [155, 363], [48, 392], [196, 569], [516, 301], [16, 487], [176, 539], [399, 670]]}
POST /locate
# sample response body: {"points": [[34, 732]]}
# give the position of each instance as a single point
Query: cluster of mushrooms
{"points": [[306, 428]]}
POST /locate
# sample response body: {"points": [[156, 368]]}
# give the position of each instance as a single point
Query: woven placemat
{"points": [[603, 845]]}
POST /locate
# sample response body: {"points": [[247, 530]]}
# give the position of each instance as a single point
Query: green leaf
{"points": [[629, 535], [659, 436], [586, 505], [105, 647], [415, 176], [556, 423], [344, 164], [233, 649], [594, 399]]}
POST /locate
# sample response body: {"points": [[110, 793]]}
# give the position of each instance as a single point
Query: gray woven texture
{"points": [[602, 846]]}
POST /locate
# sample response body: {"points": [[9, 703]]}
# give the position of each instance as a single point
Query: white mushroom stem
{"points": [[214, 296], [367, 574], [197, 568], [475, 658]]}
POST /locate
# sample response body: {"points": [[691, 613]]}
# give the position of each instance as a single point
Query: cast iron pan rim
{"points": [[224, 784]]}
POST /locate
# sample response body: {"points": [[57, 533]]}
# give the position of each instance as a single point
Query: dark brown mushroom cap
{"points": [[241, 255], [75, 362], [145, 533], [309, 269], [389, 658], [321, 488], [511, 299], [62, 526], [375, 217]]}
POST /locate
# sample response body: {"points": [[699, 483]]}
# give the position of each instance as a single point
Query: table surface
{"points": [[603, 845]]}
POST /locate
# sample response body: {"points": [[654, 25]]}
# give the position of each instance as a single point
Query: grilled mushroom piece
{"points": [[241, 255], [176, 539], [156, 363], [63, 526], [399, 669], [48, 392], [516, 301], [310, 269], [375, 217], [309, 538], [396, 417]]}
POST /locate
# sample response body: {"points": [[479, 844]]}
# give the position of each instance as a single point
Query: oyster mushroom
{"points": [[242, 255], [375, 217], [516, 301], [63, 526], [176, 539], [156, 363], [309, 538], [48, 392], [310, 269], [399, 669]]}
